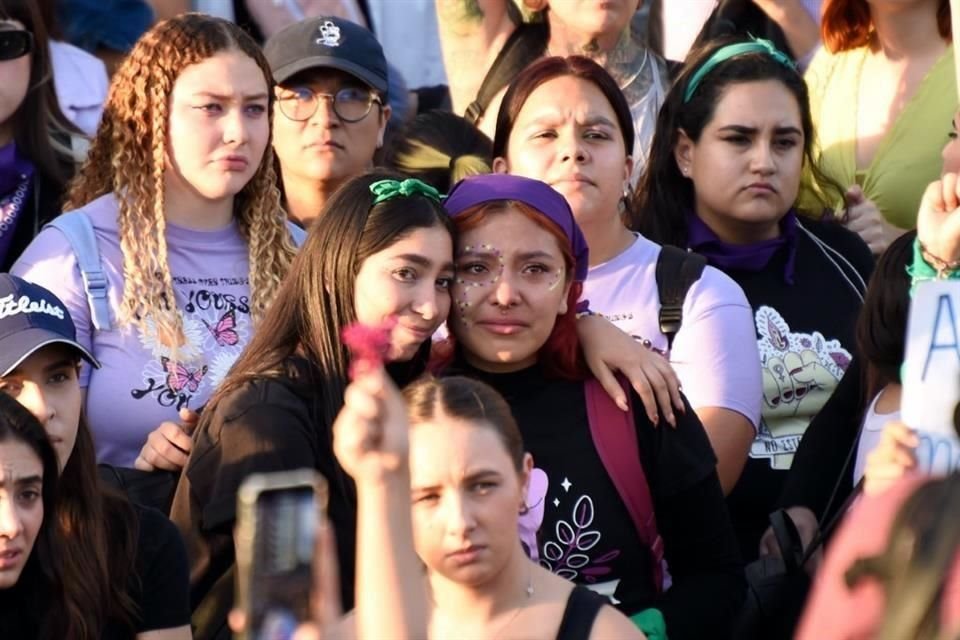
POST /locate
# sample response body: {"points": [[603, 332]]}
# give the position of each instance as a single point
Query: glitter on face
{"points": [[483, 266]]}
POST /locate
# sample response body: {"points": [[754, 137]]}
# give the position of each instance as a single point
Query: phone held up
{"points": [[278, 517]]}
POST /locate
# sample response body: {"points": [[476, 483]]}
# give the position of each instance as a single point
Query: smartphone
{"points": [[277, 519]]}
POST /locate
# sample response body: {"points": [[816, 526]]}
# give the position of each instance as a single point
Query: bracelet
{"points": [[943, 267]]}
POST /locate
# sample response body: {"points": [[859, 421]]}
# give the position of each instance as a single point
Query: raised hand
{"points": [[938, 220], [370, 433]]}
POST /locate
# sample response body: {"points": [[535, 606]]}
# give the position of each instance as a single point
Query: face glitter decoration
{"points": [[482, 266]]}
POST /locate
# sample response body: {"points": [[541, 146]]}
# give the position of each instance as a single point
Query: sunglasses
{"points": [[15, 43]]}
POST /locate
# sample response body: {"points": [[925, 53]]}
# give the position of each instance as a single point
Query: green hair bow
{"points": [[389, 189], [754, 45]]}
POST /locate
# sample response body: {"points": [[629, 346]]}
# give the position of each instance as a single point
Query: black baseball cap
{"points": [[32, 318], [327, 42]]}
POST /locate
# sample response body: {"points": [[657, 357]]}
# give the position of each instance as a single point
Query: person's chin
{"points": [[403, 352]]}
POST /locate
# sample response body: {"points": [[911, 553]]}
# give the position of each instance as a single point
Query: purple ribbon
{"points": [[754, 256]]}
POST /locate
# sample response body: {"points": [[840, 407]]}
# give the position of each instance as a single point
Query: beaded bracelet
{"points": [[922, 268], [944, 268]]}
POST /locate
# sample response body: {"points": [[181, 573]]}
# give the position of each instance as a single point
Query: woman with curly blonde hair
{"points": [[179, 188]]}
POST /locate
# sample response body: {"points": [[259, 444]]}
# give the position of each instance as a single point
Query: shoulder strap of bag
{"points": [[525, 44], [615, 437], [677, 270], [78, 229], [297, 234]]}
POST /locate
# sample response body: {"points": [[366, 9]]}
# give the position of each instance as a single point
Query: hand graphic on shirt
{"points": [[788, 383]]}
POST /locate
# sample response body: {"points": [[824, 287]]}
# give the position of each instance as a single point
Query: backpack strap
{"points": [[677, 270], [526, 43], [297, 234], [615, 437], [78, 229]]}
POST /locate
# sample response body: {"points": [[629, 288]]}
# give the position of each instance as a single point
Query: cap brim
{"points": [[285, 72], [21, 345]]}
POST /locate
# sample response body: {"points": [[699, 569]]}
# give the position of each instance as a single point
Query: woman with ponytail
{"points": [[441, 149]]}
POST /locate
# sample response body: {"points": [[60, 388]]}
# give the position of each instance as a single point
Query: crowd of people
{"points": [[643, 290]]}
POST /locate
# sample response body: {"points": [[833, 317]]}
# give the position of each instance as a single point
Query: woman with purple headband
{"points": [[615, 503]]}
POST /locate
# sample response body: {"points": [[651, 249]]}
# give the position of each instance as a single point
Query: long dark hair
{"points": [[95, 533], [315, 301], [99, 531], [664, 195], [40, 587], [41, 131], [882, 325]]}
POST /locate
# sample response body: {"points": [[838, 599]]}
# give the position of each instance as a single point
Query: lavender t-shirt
{"points": [[139, 385], [714, 353]]}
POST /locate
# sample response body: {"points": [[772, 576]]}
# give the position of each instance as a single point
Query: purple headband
{"points": [[493, 187]]}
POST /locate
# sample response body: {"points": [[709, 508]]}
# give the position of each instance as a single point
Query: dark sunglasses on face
{"points": [[15, 43]]}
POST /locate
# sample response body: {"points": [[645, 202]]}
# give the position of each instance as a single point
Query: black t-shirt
{"points": [[266, 425], [805, 334], [158, 586], [160, 583], [587, 535]]}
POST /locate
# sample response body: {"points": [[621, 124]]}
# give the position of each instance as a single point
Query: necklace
{"points": [[516, 614]]}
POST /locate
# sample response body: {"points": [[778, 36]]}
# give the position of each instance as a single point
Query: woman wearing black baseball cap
{"points": [[123, 567], [331, 111]]}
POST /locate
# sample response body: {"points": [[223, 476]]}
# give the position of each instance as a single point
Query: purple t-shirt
{"points": [[139, 385], [714, 353]]}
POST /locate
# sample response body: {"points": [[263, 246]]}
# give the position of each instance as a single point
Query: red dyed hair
{"points": [[846, 24], [560, 356]]}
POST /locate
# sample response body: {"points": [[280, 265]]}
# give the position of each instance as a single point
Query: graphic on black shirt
{"points": [[573, 550], [800, 371]]}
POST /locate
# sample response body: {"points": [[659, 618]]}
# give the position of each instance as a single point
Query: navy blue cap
{"points": [[327, 42], [32, 318], [491, 187]]}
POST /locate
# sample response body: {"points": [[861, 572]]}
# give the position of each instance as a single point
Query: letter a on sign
{"points": [[931, 373]]}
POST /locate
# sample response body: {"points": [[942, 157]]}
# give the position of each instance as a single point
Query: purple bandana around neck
{"points": [[16, 180], [746, 257]]}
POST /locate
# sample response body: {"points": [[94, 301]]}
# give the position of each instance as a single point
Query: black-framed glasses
{"points": [[15, 43], [350, 104]]}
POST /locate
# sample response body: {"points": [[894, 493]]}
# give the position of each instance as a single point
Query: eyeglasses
{"points": [[350, 104], [15, 43]]}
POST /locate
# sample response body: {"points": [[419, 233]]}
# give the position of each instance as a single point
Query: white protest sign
{"points": [[931, 373]]}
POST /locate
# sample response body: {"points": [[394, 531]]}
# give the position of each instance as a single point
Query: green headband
{"points": [[390, 189], [756, 45]]}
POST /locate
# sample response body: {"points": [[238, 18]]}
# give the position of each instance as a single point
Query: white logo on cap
{"points": [[329, 34], [11, 307]]}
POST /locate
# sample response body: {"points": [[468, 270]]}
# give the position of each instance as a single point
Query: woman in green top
{"points": [[881, 92]]}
